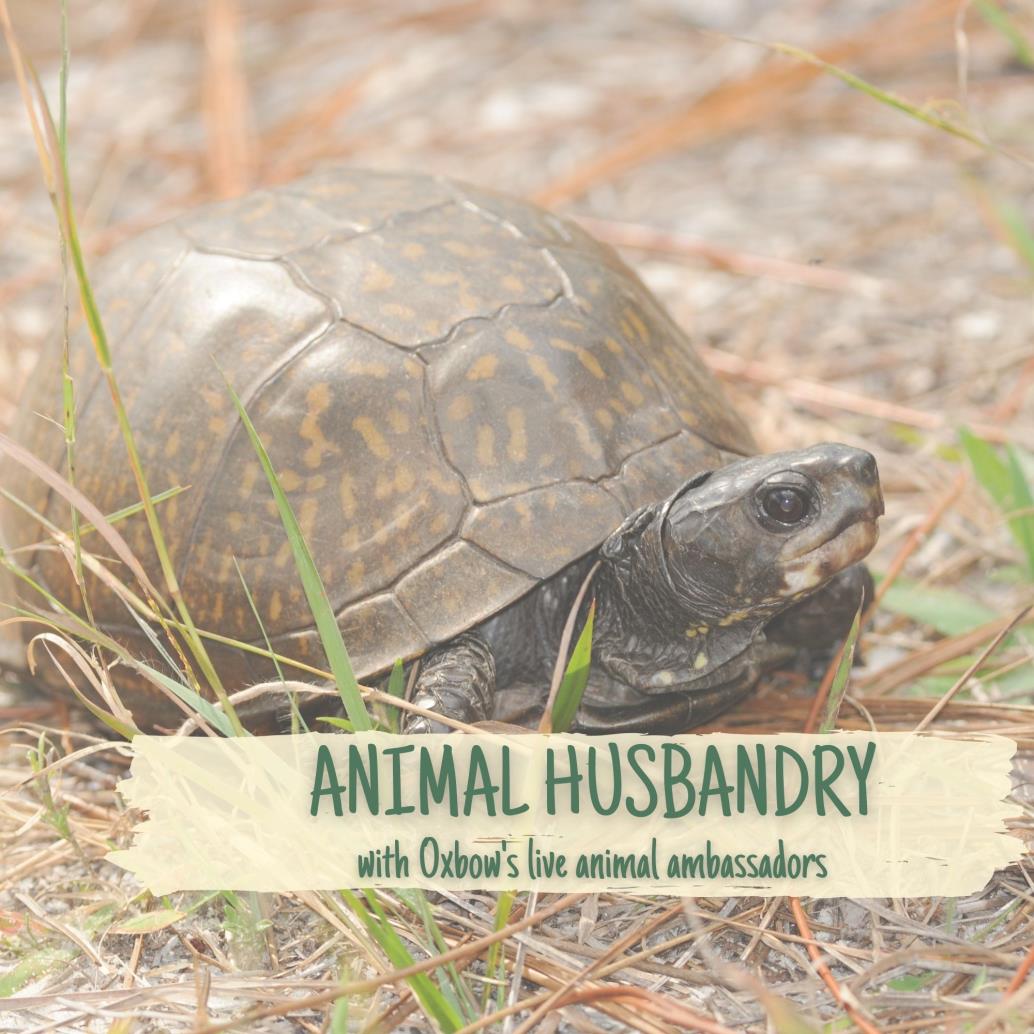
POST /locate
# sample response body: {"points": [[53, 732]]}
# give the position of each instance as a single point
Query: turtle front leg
{"points": [[456, 680]]}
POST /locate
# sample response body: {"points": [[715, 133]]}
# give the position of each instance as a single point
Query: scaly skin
{"points": [[696, 597]]}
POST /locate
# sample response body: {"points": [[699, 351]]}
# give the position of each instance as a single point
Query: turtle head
{"points": [[750, 539]]}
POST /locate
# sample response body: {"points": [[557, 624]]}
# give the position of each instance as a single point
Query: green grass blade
{"points": [[456, 989], [339, 1010], [397, 688], [1005, 481], [948, 611], [54, 166], [495, 964], [576, 677], [1022, 526], [840, 679], [991, 472], [434, 1003], [884, 96], [135, 508], [1000, 20], [297, 721], [315, 591], [1019, 233]]}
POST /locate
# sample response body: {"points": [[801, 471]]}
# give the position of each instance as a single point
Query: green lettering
{"points": [[681, 778], [861, 770], [651, 792], [823, 782], [325, 773], [397, 807], [782, 808]]}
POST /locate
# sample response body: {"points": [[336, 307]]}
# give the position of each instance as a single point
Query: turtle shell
{"points": [[461, 394]]}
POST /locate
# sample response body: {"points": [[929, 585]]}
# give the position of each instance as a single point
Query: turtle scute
{"points": [[461, 393]]}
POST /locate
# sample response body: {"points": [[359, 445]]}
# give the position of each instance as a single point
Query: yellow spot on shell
{"points": [[700, 661], [247, 482], [440, 524], [377, 278], [541, 369], [613, 346], [441, 278], [461, 248], [172, 444], [412, 250], [591, 363], [283, 556], [370, 369], [318, 400], [519, 339], [460, 408], [347, 494], [605, 418], [356, 573], [638, 325], [398, 309], [235, 521], [513, 283], [276, 607], [632, 393], [483, 368], [290, 481], [399, 421], [307, 514], [517, 448], [486, 445], [372, 437], [404, 480]]}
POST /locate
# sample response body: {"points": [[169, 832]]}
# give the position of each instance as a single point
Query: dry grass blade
{"points": [[915, 540], [70, 493], [742, 263], [474, 948], [973, 668], [843, 997], [734, 106], [637, 934], [226, 108], [825, 396], [52, 160], [926, 659]]}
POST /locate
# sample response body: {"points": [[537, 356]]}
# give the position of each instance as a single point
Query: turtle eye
{"points": [[785, 505]]}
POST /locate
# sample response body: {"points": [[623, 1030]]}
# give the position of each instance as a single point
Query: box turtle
{"points": [[469, 401]]}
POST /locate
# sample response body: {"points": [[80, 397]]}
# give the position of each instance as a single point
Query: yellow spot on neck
{"points": [[733, 619]]}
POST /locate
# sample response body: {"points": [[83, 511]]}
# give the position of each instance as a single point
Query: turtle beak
{"points": [[863, 467]]}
